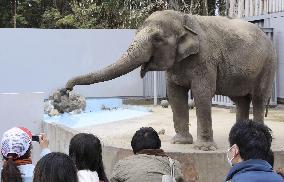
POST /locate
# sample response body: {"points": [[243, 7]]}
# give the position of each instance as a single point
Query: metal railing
{"points": [[246, 8]]}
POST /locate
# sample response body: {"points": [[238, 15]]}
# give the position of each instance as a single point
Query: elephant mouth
{"points": [[151, 65], [145, 67], [143, 70]]}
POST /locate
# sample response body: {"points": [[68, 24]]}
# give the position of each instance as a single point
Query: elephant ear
{"points": [[188, 42]]}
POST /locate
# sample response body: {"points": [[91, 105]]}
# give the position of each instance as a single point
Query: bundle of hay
{"points": [[64, 102]]}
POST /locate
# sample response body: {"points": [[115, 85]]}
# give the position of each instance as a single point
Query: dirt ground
{"points": [[119, 134]]}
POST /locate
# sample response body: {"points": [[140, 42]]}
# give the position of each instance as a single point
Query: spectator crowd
{"points": [[249, 155]]}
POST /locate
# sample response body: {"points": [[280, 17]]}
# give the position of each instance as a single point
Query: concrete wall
{"points": [[199, 166], [43, 60], [22, 110]]}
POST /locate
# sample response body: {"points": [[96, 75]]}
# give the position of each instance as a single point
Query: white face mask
{"points": [[228, 158]]}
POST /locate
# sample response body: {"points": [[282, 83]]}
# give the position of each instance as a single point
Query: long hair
{"points": [[86, 151], [10, 171], [55, 167]]}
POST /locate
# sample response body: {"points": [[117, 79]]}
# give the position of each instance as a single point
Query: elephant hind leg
{"points": [[259, 104], [262, 93], [242, 107]]}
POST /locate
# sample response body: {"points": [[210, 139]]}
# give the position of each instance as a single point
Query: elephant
{"points": [[207, 54]]}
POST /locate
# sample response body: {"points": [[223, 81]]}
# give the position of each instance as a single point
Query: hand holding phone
{"points": [[43, 141]]}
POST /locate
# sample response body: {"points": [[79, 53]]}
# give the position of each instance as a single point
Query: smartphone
{"points": [[35, 138]]}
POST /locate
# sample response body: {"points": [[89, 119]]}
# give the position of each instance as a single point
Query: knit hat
{"points": [[16, 141]]}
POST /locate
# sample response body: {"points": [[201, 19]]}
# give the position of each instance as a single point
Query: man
{"points": [[250, 147], [149, 162]]}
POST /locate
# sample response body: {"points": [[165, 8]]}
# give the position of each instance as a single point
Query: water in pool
{"points": [[94, 114]]}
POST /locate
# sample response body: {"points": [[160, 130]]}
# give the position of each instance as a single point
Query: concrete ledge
{"points": [[197, 166]]}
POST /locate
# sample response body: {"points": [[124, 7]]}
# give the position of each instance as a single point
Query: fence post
{"points": [[155, 89]]}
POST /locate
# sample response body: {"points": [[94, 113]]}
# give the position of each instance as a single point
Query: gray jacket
{"points": [[144, 168]]}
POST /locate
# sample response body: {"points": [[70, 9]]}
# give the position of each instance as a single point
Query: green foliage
{"points": [[199, 7], [221, 5], [95, 13], [49, 18], [6, 13]]}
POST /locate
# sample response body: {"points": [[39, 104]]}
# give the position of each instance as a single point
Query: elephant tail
{"points": [[266, 107]]}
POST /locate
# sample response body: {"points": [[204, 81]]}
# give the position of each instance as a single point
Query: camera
{"points": [[35, 138]]}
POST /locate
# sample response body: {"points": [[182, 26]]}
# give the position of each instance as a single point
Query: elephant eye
{"points": [[157, 38]]}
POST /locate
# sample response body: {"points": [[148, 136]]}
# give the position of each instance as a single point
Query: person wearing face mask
{"points": [[250, 144]]}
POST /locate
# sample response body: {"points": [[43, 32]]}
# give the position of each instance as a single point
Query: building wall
{"points": [[36, 60]]}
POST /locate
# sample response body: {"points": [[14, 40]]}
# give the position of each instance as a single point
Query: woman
{"points": [[55, 167], [86, 151], [16, 148]]}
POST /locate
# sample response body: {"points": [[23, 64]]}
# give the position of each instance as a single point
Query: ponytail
{"points": [[10, 171]]}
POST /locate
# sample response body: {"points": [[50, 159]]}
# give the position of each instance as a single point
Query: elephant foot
{"points": [[182, 139], [205, 146]]}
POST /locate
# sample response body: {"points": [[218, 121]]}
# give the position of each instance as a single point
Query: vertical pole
{"points": [[155, 89], [256, 7], [269, 6], [231, 6], [261, 8], [251, 7], [241, 8], [227, 8], [265, 7], [247, 8], [15, 13]]}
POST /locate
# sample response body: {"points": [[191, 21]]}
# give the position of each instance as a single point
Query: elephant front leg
{"points": [[204, 121], [204, 125], [178, 99]]}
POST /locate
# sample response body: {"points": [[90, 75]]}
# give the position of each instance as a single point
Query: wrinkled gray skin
{"points": [[209, 55]]}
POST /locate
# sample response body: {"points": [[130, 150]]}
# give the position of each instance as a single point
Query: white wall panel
{"points": [[43, 60]]}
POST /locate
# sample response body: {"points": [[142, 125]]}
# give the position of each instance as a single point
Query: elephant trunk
{"points": [[138, 53]]}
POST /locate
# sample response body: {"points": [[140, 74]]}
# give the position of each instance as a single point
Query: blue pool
{"points": [[94, 115]]}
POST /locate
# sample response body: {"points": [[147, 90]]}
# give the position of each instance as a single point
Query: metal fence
{"points": [[148, 82], [247, 8]]}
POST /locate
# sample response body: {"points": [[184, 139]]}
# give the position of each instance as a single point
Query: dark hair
{"points": [[10, 171], [145, 138], [55, 167], [270, 157], [253, 139], [86, 151]]}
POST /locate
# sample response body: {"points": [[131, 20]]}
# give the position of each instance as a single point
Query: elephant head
{"points": [[166, 37]]}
